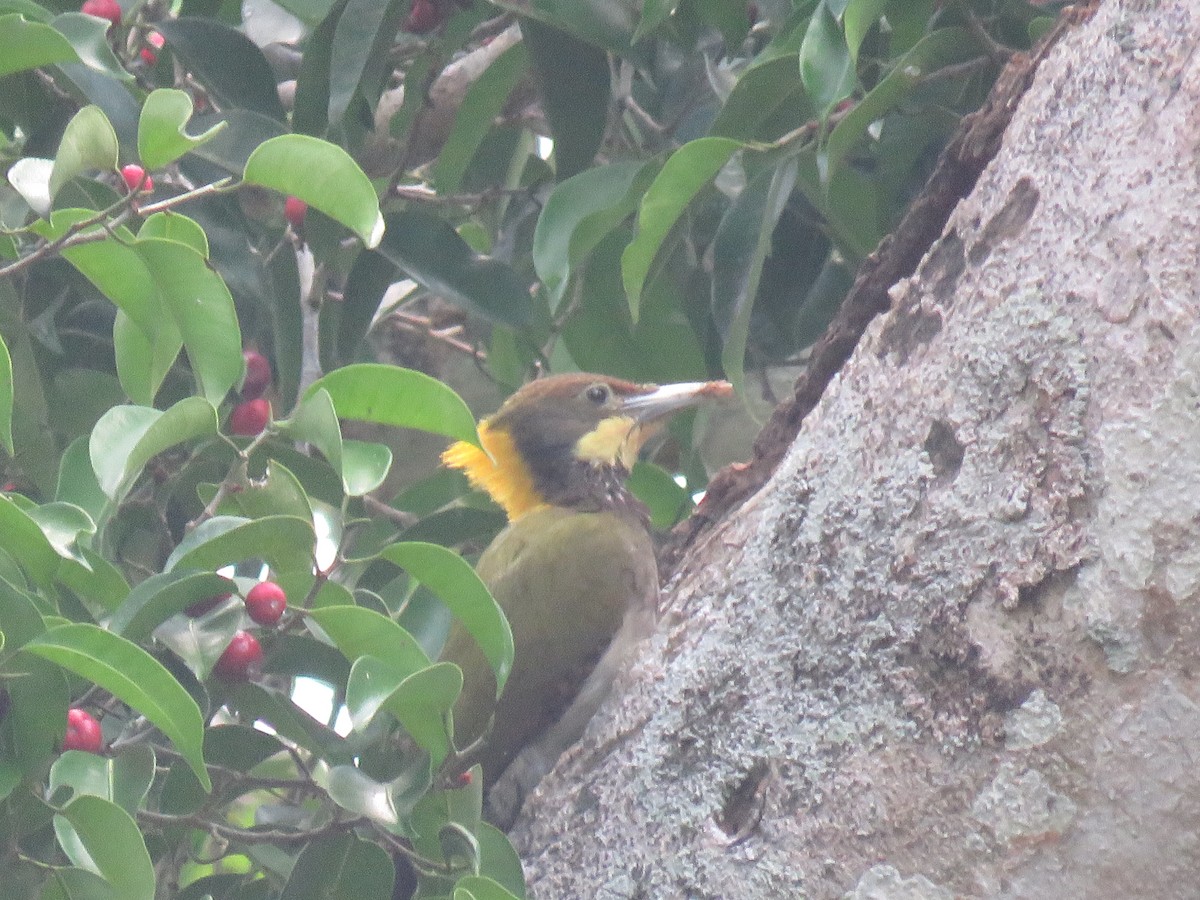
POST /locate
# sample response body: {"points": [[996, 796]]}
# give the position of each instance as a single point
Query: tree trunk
{"points": [[952, 647]]}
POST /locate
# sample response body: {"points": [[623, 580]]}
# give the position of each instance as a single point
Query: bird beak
{"points": [[660, 401]]}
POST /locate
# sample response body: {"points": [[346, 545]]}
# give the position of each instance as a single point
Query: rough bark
{"points": [[952, 647]]}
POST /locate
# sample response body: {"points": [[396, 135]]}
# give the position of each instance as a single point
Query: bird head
{"points": [[570, 440]]}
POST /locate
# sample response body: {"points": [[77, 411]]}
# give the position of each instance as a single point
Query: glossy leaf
{"points": [[579, 214], [24, 539], [456, 584], [390, 395], [28, 45], [361, 26], [324, 176], [203, 310], [741, 246], [357, 631], [286, 543], [6, 398], [123, 779], [574, 80], [387, 803], [226, 62], [172, 226], [112, 265], [826, 66], [483, 102], [112, 846], [89, 38], [689, 169], [859, 17], [341, 866], [88, 142], [365, 465], [128, 437], [433, 254], [162, 128], [944, 46], [161, 596], [133, 676], [62, 524], [480, 887], [420, 701]]}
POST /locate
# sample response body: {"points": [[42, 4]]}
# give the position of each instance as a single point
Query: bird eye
{"points": [[598, 394]]}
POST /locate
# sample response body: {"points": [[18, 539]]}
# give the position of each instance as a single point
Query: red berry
{"points": [[294, 210], [258, 374], [155, 40], [200, 607], [465, 778], [103, 9], [243, 652], [251, 417], [149, 57], [83, 731], [423, 17], [134, 175], [265, 602]]}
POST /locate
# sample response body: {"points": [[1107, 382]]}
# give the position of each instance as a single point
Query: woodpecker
{"points": [[574, 570]]}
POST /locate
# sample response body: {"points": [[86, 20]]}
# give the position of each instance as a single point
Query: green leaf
{"points": [[667, 501], [145, 358], [826, 65], [6, 398], [112, 846], [128, 437], [860, 16], [370, 277], [172, 226], [226, 62], [942, 47], [63, 523], [420, 701], [77, 480], [341, 866], [285, 542], [390, 395], [315, 422], [25, 540], [203, 310], [483, 102], [433, 254], [609, 26], [358, 631], [740, 247], [387, 803], [574, 80], [361, 28], [480, 887], [88, 142], [112, 265], [162, 128], [456, 584], [365, 465], [579, 213], [689, 169], [324, 176], [498, 859], [133, 676], [28, 45], [254, 702], [89, 36], [123, 779], [161, 596]]}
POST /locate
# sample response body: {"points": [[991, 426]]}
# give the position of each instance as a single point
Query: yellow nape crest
{"points": [[499, 471]]}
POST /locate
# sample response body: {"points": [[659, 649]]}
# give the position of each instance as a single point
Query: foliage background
{"points": [[671, 192]]}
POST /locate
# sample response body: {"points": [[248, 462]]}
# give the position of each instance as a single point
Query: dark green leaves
{"points": [[129, 673], [430, 251], [324, 176]]}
